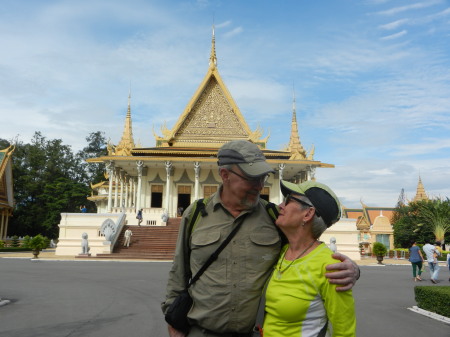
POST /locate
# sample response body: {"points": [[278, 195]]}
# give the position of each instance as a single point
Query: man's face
{"points": [[244, 188]]}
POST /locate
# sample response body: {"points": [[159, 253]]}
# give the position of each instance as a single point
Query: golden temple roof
{"points": [[126, 143], [420, 193], [211, 118]]}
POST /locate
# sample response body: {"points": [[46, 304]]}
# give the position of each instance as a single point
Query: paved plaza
{"points": [[55, 298]]}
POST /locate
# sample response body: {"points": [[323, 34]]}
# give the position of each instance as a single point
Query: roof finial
{"points": [[212, 57], [295, 146]]}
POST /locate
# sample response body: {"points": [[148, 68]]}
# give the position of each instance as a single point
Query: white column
{"points": [[116, 191], [140, 166], [281, 168], [168, 165], [122, 178], [125, 199], [135, 192], [197, 176], [110, 168], [130, 196]]}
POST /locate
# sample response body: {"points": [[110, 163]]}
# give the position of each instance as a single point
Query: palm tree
{"points": [[437, 215]]}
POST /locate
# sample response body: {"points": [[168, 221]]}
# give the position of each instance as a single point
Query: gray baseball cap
{"points": [[246, 155]]}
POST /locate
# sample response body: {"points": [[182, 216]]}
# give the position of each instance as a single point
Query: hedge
{"points": [[433, 298], [15, 249]]}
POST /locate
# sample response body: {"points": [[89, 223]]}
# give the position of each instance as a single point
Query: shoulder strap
{"points": [[214, 255], [273, 212], [199, 208]]}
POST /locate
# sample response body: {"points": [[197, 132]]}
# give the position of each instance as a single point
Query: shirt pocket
{"points": [[203, 244], [263, 251]]}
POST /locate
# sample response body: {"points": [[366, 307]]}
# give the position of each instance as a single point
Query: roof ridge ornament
{"points": [[213, 57]]}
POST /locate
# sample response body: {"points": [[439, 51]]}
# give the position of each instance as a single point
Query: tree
{"points": [[421, 220], [96, 148], [48, 180]]}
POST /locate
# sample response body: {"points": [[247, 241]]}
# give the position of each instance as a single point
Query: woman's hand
{"points": [[344, 273]]}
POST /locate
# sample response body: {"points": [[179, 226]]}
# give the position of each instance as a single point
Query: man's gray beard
{"points": [[248, 204]]}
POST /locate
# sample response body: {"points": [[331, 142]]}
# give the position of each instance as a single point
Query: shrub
{"points": [[434, 299], [15, 242], [39, 242], [26, 241], [379, 249], [2, 244]]}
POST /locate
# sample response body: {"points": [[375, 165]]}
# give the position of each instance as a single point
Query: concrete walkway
{"points": [[52, 297]]}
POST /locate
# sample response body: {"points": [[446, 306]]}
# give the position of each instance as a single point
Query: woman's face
{"points": [[292, 211]]}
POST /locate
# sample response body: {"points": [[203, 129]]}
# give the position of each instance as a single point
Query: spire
{"points": [[212, 57], [420, 193], [126, 143], [295, 146]]}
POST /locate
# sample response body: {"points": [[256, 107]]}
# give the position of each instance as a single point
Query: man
{"points": [[432, 253], [226, 296], [127, 236]]}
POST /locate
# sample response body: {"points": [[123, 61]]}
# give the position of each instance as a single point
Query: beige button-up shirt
{"points": [[226, 296]]}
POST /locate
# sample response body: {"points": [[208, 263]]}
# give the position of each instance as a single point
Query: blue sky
{"points": [[371, 78]]}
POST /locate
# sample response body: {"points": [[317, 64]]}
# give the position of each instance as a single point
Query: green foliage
{"points": [[15, 242], [49, 180], [38, 242], [434, 299], [2, 244], [421, 220], [26, 241], [379, 249]]}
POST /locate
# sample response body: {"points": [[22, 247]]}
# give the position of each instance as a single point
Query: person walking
{"points": [[448, 264], [431, 253], [299, 299], [226, 296], [139, 216], [416, 259], [128, 233]]}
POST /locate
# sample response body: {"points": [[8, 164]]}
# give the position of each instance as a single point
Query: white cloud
{"points": [[395, 36]]}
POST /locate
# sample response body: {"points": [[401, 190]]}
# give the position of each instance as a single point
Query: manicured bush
{"points": [[434, 299], [14, 249], [26, 241], [379, 249], [15, 242], [2, 244]]}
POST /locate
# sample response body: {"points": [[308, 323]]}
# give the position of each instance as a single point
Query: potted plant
{"points": [[36, 244], [379, 250]]}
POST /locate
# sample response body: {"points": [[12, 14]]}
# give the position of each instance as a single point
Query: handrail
{"points": [[111, 230]]}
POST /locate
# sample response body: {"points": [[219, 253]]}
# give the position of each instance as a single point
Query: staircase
{"points": [[147, 242]]}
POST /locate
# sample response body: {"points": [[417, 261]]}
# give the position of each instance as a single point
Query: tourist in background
{"points": [[127, 235], [416, 259], [139, 216], [431, 253]]}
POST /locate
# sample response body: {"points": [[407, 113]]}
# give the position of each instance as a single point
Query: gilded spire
{"points": [[126, 144], [212, 57], [295, 146], [420, 193]]}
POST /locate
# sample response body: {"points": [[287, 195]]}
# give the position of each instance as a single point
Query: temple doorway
{"points": [[157, 196], [184, 199]]}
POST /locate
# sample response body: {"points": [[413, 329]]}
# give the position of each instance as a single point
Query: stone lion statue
{"points": [[84, 244]]}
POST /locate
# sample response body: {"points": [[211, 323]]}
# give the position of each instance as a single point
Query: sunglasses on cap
{"points": [[289, 197], [261, 179]]}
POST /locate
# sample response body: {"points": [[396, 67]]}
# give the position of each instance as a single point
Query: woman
{"points": [[299, 299], [416, 259]]}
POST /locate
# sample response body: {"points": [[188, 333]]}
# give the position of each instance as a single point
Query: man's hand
{"points": [[344, 273], [175, 333]]}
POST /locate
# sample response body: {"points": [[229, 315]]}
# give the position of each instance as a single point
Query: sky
{"points": [[371, 79]]}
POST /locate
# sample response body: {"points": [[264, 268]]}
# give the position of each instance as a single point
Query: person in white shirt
{"points": [[431, 253]]}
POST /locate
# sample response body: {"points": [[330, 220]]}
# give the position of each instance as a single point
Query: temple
{"points": [[182, 166]]}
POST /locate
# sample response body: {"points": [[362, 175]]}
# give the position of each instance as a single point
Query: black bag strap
{"points": [[214, 255], [199, 208]]}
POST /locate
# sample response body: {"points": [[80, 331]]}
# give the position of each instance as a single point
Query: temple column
{"points": [[130, 198], [116, 191], [134, 191], [140, 166], [281, 168], [197, 176], [110, 169], [2, 225], [125, 205], [168, 165], [122, 174]]}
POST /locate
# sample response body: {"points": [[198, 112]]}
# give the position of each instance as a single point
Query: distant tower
{"points": [[420, 193], [401, 199], [295, 146]]}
